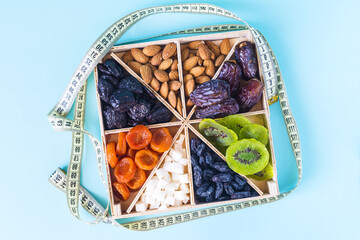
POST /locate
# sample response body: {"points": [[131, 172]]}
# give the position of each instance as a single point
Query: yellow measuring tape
{"points": [[70, 183]]}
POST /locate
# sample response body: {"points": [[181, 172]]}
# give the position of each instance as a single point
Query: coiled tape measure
{"points": [[70, 182]]}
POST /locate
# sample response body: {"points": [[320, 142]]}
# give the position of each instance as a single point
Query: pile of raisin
{"points": [[213, 179], [125, 102]]}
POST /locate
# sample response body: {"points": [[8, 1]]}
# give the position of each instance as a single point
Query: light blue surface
{"points": [[317, 46]]}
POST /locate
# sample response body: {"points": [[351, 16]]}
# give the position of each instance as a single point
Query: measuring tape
{"points": [[274, 85]]}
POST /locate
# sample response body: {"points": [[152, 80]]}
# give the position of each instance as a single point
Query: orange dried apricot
{"points": [[122, 189], [161, 140], [121, 144], [111, 154], [125, 170], [130, 153], [146, 159], [138, 180], [138, 137]]}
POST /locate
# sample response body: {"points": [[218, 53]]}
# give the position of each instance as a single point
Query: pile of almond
{"points": [[200, 61], [158, 66]]}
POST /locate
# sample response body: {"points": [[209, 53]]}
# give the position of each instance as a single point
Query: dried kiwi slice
{"points": [[265, 174], [234, 122], [255, 131], [247, 156], [217, 133]]}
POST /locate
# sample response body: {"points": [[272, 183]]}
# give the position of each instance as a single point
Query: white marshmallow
{"points": [[179, 195], [167, 166], [169, 201], [170, 188], [175, 155], [177, 167], [180, 140], [161, 173], [183, 178], [185, 187], [175, 177], [155, 205], [184, 161], [161, 185], [149, 199], [168, 159], [141, 207]]}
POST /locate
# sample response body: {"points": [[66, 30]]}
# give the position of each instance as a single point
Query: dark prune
{"points": [[221, 167], [103, 69], [114, 119], [254, 193], [114, 81], [228, 189], [132, 84], [122, 100], [245, 56], [219, 190], [159, 115], [231, 72], [114, 68], [247, 187], [197, 172], [249, 94], [206, 189], [105, 89], [210, 92], [133, 122], [222, 177], [242, 194], [208, 174], [239, 180], [224, 198], [140, 110], [228, 107], [149, 93]]}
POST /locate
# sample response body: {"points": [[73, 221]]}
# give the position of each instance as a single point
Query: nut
{"points": [[191, 54], [169, 50], [139, 56], [219, 60], [157, 59], [174, 85], [164, 90], [174, 75], [201, 79], [195, 44], [179, 105], [172, 98], [212, 56], [135, 66], [151, 50], [165, 64], [204, 52], [213, 47], [197, 71], [200, 61], [189, 103], [189, 87], [188, 77], [184, 54], [209, 68], [174, 65], [146, 73], [155, 84], [225, 46], [161, 75], [190, 63], [127, 57], [153, 68]]}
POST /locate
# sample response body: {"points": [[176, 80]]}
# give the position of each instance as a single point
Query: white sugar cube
{"points": [[161, 185], [141, 207], [167, 166], [155, 205], [168, 159], [183, 178], [169, 201], [179, 195], [163, 207], [180, 140], [175, 177], [177, 167], [178, 203], [175, 155], [185, 187], [186, 200], [161, 173], [149, 199], [184, 161]]}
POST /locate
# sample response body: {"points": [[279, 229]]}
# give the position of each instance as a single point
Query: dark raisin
{"points": [[239, 180], [197, 172], [208, 174], [105, 89], [219, 190], [114, 68], [201, 149], [254, 193], [202, 161], [122, 100], [245, 56], [159, 115], [140, 110], [194, 160], [242, 194], [132, 84], [235, 185], [228, 107], [231, 72], [209, 159], [211, 92], [224, 198], [249, 94], [247, 187], [103, 69], [210, 197], [222, 177], [228, 189], [221, 167], [206, 189], [114, 119]]}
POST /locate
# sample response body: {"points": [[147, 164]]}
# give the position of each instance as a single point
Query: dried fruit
{"points": [[217, 133], [113, 80], [103, 69], [249, 94], [222, 177], [146, 73], [231, 72], [255, 131], [121, 144], [245, 56], [204, 52], [213, 47], [122, 100], [161, 140], [190, 63], [157, 59], [140, 110], [247, 156], [139, 56], [197, 172], [125, 170], [265, 174], [135, 66], [114, 68], [211, 92], [165, 64], [122, 189], [234, 122], [111, 154], [161, 75], [208, 174], [138, 180], [146, 159], [105, 89], [228, 188], [151, 50], [205, 190], [228, 107], [159, 115], [130, 153], [243, 194], [132, 84], [225, 46], [197, 147], [169, 50], [138, 137], [114, 119], [221, 167]]}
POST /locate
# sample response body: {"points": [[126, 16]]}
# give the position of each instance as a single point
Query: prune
{"points": [[245, 56], [140, 110], [228, 107], [231, 72], [205, 190], [217, 133], [239, 180], [208, 174], [242, 194], [249, 94], [103, 69], [133, 122], [114, 81], [114, 68], [159, 115], [149, 93], [197, 172], [229, 189], [209, 159], [114, 119], [221, 167], [122, 100], [255, 131], [222, 177], [211, 92], [219, 190], [202, 162], [105, 89], [132, 84]]}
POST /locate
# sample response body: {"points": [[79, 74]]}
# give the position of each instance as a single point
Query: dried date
{"points": [[211, 92], [228, 107], [245, 56], [231, 72], [249, 94]]}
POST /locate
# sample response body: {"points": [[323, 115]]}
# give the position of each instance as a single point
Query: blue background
{"points": [[317, 46]]}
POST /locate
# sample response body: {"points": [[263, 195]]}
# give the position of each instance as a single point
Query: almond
{"points": [[189, 87], [204, 52], [190, 63], [169, 50], [188, 77], [155, 84], [135, 66], [201, 79], [161, 75], [191, 54], [157, 59], [195, 44], [172, 98], [165, 64], [213, 47], [174, 65], [189, 103], [139, 56], [200, 61], [219, 60], [153, 68], [197, 71], [225, 46], [151, 50], [209, 68], [179, 105], [185, 54], [127, 57], [174, 85], [212, 56], [174, 75], [146, 73], [164, 90]]}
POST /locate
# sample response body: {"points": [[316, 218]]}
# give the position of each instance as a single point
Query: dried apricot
{"points": [[138, 137], [161, 140], [111, 154], [121, 144], [146, 159], [125, 170], [122, 189], [138, 180], [130, 153]]}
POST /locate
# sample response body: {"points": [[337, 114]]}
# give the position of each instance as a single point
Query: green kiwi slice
{"points": [[247, 156], [217, 133], [265, 174], [234, 122], [255, 131]]}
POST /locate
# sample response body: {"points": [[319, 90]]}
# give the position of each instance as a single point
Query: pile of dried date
{"points": [[237, 88]]}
